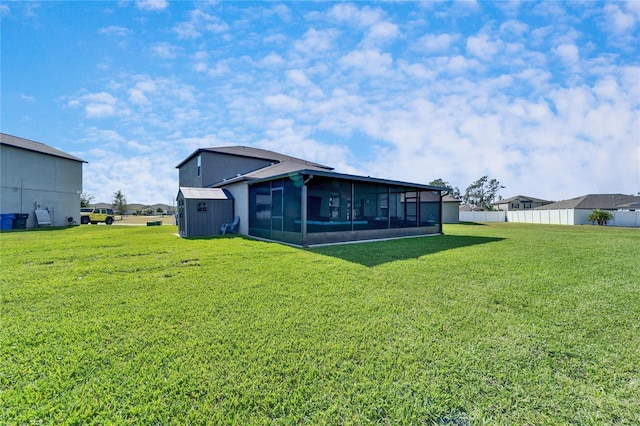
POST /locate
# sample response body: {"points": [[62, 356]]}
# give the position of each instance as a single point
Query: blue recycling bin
{"points": [[6, 221]]}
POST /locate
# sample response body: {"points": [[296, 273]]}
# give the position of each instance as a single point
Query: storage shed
{"points": [[202, 211]]}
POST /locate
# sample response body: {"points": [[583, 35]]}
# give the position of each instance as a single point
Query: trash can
{"points": [[20, 220], [6, 221]]}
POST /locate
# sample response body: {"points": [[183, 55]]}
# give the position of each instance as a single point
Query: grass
{"points": [[488, 324]]}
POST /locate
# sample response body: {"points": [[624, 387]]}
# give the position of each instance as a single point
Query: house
{"points": [[575, 211], [35, 176], [519, 202], [291, 200]]}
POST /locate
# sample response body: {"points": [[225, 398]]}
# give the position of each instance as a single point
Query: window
{"points": [[199, 164]]}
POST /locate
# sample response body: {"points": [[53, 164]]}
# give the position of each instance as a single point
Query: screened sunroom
{"points": [[312, 207]]}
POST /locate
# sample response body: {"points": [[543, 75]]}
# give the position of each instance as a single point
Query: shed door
{"points": [[182, 228], [276, 214]]}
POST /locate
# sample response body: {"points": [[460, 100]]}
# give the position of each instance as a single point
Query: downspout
{"points": [[303, 210]]}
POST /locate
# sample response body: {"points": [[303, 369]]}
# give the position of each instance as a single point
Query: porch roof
{"points": [[308, 173]]}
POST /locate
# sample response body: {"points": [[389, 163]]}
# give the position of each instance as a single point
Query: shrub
{"points": [[600, 216]]}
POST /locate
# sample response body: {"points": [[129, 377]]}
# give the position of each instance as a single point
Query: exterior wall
{"points": [[188, 174], [30, 177], [216, 167], [240, 193], [450, 212]]}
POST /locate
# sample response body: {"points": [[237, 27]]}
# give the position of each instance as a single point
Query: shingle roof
{"points": [[29, 145], [522, 199], [592, 201], [247, 151]]}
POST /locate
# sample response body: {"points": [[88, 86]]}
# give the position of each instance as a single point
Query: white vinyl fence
{"points": [[497, 216], [551, 217]]}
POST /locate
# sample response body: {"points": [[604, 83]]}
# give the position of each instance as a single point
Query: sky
{"points": [[542, 96]]}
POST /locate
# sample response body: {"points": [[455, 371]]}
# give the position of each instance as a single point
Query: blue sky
{"points": [[544, 97]]}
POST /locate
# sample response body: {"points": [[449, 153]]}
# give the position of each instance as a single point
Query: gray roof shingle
{"points": [[592, 201], [30, 145]]}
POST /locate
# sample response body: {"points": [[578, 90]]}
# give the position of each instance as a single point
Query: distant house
{"points": [[35, 176], [288, 199], [519, 202], [575, 211]]}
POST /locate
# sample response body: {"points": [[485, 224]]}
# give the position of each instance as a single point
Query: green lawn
{"points": [[489, 324]]}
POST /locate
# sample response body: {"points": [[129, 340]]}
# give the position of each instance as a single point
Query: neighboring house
{"points": [[287, 199], [629, 207], [575, 211], [519, 202], [450, 209], [35, 176]]}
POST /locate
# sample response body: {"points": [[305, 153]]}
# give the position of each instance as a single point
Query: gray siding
{"points": [[28, 177], [188, 174], [216, 167]]}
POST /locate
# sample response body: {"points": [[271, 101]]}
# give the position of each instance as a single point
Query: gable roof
{"points": [[250, 152], [277, 169], [592, 201], [521, 199], [33, 146]]}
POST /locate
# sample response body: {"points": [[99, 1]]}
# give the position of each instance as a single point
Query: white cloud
{"points": [[620, 22], [164, 50], [96, 105], [198, 24], [152, 5], [368, 61], [350, 14], [315, 41], [283, 102], [436, 43], [298, 77], [568, 53], [383, 31], [481, 47], [114, 30]]}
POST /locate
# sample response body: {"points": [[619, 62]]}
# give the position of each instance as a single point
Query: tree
{"points": [[482, 193], [119, 203], [453, 190], [600, 216], [86, 199]]}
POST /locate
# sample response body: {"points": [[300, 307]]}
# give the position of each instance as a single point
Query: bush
{"points": [[600, 216]]}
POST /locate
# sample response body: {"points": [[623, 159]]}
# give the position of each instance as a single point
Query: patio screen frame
{"points": [[311, 207]]}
